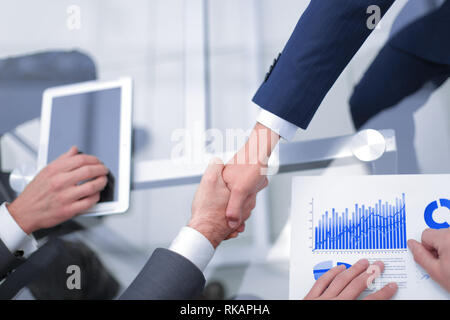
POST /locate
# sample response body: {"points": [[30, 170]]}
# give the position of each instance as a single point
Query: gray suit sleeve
{"points": [[8, 261], [166, 276]]}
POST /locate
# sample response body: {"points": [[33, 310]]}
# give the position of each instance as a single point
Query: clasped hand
{"points": [[209, 205], [228, 193]]}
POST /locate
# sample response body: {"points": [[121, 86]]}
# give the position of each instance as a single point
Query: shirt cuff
{"points": [[283, 128], [12, 235], [194, 246]]}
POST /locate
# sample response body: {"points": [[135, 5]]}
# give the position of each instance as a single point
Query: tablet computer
{"points": [[96, 117]]}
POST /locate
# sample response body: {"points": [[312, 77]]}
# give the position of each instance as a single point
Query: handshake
{"points": [[228, 192], [213, 197]]}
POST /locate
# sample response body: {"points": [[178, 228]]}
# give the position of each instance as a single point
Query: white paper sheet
{"points": [[321, 240]]}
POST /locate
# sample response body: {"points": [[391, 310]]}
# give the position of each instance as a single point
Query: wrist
{"points": [[17, 214], [208, 230], [261, 143]]}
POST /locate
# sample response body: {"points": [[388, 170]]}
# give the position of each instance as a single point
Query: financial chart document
{"points": [[339, 220]]}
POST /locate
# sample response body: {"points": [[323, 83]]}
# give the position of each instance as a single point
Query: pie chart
{"points": [[431, 208]]}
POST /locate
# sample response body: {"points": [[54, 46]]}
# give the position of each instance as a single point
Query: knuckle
{"points": [[211, 178], [85, 158], [55, 184], [60, 199], [103, 181], [240, 190], [96, 198], [80, 160], [95, 159], [426, 233], [341, 277], [91, 188], [67, 212], [90, 171], [87, 171], [226, 175]]}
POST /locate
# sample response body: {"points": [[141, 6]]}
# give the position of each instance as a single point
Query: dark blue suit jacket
{"points": [[327, 36], [428, 37]]}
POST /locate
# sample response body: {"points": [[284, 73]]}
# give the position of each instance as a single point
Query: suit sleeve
{"points": [[8, 261], [327, 36], [166, 276]]}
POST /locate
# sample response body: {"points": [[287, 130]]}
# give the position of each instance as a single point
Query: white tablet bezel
{"points": [[125, 84]]}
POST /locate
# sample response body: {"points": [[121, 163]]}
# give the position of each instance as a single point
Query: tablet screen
{"points": [[90, 121]]}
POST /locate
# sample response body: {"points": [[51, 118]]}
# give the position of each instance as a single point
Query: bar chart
{"points": [[380, 225]]}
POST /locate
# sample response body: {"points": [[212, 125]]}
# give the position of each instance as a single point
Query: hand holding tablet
{"points": [[56, 194], [96, 117]]}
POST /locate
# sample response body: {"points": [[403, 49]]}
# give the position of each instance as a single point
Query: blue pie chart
{"points": [[429, 210]]}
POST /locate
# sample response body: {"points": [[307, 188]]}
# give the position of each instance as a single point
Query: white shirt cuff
{"points": [[13, 236], [283, 128], [194, 246]]}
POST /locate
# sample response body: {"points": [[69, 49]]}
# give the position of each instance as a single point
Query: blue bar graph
{"points": [[378, 226]]}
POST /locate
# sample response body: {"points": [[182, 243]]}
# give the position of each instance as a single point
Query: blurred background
{"points": [[147, 40]]}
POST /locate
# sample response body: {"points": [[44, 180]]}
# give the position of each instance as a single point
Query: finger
{"points": [[384, 293], [213, 173], [87, 189], [249, 205], [264, 184], [361, 282], [74, 162], [241, 228], [431, 238], [72, 151], [343, 279], [78, 207], [323, 282], [84, 174], [234, 208], [433, 251], [215, 165], [424, 257], [233, 235]]}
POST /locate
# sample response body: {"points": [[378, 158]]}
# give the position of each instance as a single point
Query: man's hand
{"points": [[433, 254], [56, 195], [210, 202], [340, 283], [245, 173]]}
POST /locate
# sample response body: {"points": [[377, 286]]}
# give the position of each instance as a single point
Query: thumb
{"points": [[234, 208], [424, 257], [213, 172]]}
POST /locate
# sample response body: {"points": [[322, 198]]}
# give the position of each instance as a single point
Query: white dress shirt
{"points": [[283, 128], [12, 235], [194, 246]]}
